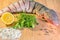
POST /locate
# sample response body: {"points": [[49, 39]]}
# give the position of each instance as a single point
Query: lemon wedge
{"points": [[7, 18]]}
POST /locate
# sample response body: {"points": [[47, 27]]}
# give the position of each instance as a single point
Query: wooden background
{"points": [[37, 34]]}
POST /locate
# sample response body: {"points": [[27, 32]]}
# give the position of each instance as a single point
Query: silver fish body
{"points": [[32, 7]]}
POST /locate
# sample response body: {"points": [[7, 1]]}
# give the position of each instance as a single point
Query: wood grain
{"points": [[37, 33]]}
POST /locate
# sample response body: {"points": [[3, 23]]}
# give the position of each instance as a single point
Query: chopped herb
{"points": [[25, 20]]}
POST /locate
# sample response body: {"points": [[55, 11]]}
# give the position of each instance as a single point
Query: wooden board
{"points": [[50, 31]]}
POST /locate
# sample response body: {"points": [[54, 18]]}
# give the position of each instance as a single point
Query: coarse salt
{"points": [[10, 33]]}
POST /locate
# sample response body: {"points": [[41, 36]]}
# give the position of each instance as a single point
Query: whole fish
{"points": [[32, 7]]}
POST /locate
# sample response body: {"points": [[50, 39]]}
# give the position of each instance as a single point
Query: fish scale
{"points": [[30, 6]]}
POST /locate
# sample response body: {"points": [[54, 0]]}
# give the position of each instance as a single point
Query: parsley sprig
{"points": [[25, 20]]}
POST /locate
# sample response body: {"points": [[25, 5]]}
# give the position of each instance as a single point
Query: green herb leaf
{"points": [[26, 20]]}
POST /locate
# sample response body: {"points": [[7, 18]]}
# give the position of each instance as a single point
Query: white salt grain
{"points": [[9, 33]]}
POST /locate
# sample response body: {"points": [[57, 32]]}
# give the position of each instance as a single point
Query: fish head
{"points": [[52, 17]]}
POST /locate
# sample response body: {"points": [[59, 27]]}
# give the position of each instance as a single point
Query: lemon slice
{"points": [[7, 18]]}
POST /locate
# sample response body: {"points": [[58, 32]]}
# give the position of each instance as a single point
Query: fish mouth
{"points": [[56, 22], [53, 22]]}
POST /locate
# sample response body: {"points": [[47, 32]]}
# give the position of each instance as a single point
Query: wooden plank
{"points": [[5, 3], [42, 2], [53, 4], [37, 34]]}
